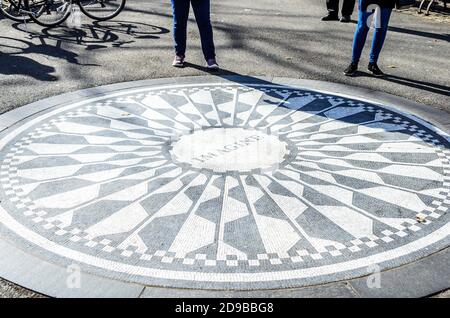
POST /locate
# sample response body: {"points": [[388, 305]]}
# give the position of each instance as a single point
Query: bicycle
{"points": [[51, 13], [14, 10]]}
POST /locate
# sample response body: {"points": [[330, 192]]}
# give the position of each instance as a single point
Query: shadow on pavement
{"points": [[21, 65], [15, 49], [135, 29], [436, 36], [421, 85], [97, 35], [426, 86]]}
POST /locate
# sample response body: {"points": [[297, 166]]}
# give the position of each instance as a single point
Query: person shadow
{"points": [[18, 62], [206, 70], [21, 65], [430, 87], [421, 85]]}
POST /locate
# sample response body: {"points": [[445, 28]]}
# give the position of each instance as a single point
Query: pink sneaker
{"points": [[178, 61]]}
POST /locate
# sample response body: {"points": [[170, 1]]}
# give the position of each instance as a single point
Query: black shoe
{"points": [[345, 19], [375, 70], [351, 69], [330, 17]]}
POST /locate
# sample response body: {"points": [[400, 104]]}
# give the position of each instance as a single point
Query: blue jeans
{"points": [[362, 30], [202, 16]]}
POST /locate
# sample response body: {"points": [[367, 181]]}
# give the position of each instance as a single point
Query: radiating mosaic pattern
{"points": [[192, 182]]}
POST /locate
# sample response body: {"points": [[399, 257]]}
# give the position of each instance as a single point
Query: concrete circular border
{"points": [[419, 278]]}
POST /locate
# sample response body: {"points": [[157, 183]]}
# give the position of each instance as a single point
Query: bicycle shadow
{"points": [[95, 36], [137, 30], [64, 43]]}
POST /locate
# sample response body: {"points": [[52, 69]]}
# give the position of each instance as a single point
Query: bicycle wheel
{"points": [[101, 10], [14, 10], [48, 13]]}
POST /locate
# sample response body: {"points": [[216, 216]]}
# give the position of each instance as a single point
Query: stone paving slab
{"points": [[51, 280], [147, 183], [412, 280], [339, 290]]}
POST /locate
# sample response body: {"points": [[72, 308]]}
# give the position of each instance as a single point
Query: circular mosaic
{"points": [[225, 185]]}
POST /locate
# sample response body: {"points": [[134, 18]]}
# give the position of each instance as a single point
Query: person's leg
{"points": [[359, 39], [380, 35], [347, 7], [360, 34], [202, 15], [180, 19], [333, 7]]}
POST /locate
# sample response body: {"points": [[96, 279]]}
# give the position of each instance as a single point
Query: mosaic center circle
{"points": [[230, 149]]}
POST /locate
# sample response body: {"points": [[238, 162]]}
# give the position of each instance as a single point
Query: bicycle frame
{"points": [[25, 9], [64, 5], [18, 8]]}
